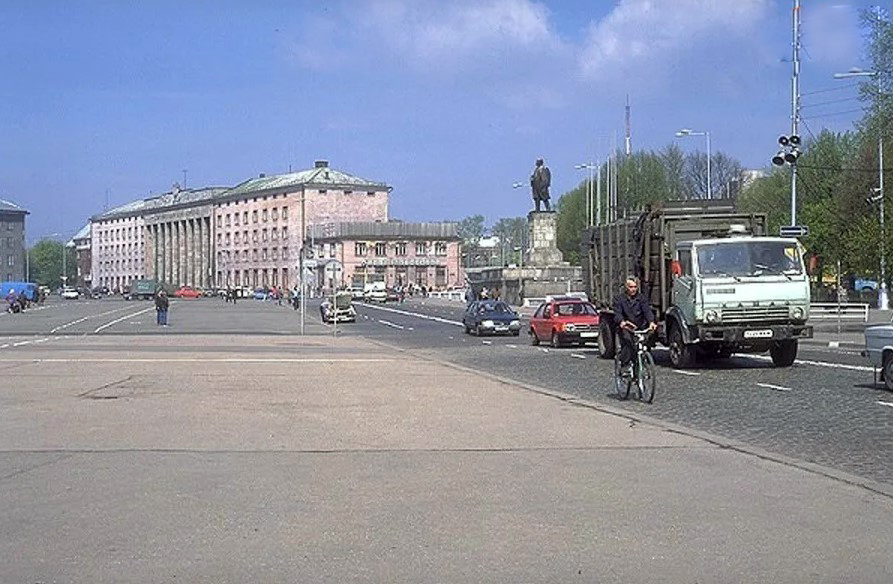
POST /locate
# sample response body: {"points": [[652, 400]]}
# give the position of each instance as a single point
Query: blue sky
{"points": [[449, 102]]}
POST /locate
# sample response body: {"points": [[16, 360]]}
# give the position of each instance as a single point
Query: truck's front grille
{"points": [[750, 313]]}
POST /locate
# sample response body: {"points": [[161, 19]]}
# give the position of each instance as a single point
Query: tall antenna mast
{"points": [[629, 144]]}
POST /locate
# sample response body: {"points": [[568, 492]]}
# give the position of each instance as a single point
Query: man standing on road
{"points": [[161, 307], [631, 312]]}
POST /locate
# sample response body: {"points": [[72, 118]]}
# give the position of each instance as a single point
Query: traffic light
{"points": [[790, 150]]}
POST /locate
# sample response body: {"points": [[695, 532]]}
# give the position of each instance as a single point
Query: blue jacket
{"points": [[635, 309]]}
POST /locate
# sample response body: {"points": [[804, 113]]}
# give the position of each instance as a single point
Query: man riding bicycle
{"points": [[631, 312]]}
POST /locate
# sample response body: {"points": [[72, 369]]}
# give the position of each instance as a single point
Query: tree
{"points": [[45, 259], [571, 209], [471, 229], [512, 232]]}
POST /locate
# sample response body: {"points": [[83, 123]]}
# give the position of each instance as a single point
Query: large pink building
{"points": [[395, 252], [258, 224]]}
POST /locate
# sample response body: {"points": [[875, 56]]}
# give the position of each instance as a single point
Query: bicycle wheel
{"points": [[621, 384], [647, 380]]}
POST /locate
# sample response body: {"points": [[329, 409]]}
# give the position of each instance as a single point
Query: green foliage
{"points": [[45, 259], [471, 229], [571, 211]]}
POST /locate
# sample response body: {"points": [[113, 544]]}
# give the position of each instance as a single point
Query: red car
{"points": [[562, 320], [187, 292]]}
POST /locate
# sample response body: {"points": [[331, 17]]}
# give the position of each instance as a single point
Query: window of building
{"points": [[322, 191], [264, 235], [285, 212], [219, 221], [228, 220], [254, 236], [245, 217], [236, 237], [275, 253], [274, 234], [227, 238], [440, 248], [284, 233], [275, 213], [285, 253], [235, 219], [254, 216], [254, 254], [331, 250], [359, 248], [266, 215], [10, 260], [219, 238], [400, 248], [381, 249], [263, 254], [421, 248], [245, 255]]}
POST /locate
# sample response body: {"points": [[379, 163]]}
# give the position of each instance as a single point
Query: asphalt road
{"points": [[823, 410]]}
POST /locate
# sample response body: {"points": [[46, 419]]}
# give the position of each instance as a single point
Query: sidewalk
{"points": [[337, 460]]}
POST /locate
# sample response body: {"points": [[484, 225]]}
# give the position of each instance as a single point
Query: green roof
{"points": [[322, 176], [172, 199]]}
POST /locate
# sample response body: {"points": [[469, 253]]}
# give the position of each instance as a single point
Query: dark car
{"points": [[564, 320], [491, 317]]}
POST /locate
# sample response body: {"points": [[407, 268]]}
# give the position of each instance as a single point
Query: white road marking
{"points": [[4, 346], [416, 314], [391, 324], [544, 350], [883, 403], [451, 338], [774, 387], [510, 346], [681, 372], [815, 363], [198, 360], [20, 343], [487, 342], [578, 356], [68, 324], [125, 317], [409, 328]]}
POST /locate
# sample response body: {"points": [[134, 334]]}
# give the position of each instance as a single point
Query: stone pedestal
{"points": [[543, 239]]}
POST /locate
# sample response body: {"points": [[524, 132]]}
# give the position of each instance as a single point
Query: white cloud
{"points": [[831, 35], [461, 33], [655, 31]]}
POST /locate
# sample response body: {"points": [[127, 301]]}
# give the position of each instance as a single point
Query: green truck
{"points": [[142, 290], [718, 284]]}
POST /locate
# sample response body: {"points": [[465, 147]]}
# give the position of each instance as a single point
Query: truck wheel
{"points": [[682, 356], [783, 353], [605, 341]]}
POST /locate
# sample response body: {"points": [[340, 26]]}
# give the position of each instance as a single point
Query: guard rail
{"points": [[833, 310]]}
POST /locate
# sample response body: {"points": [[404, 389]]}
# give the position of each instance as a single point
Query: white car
{"points": [[70, 293]]}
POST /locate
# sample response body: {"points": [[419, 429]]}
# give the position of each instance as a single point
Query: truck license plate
{"points": [[760, 334], [588, 334]]}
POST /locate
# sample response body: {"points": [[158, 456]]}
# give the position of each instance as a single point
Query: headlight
{"points": [[711, 316], [487, 324], [515, 323], [797, 313], [570, 327]]}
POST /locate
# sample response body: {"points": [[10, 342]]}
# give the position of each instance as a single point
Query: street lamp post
{"points": [[689, 132], [883, 299]]}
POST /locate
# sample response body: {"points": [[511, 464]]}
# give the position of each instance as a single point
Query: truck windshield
{"points": [[749, 258]]}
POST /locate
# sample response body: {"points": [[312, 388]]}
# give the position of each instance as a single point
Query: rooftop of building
{"points": [[385, 230], [10, 207], [83, 233], [174, 198], [320, 176]]}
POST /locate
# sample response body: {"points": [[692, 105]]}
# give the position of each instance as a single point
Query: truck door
{"points": [[683, 296]]}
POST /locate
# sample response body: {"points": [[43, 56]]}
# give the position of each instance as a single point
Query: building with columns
{"points": [[258, 224], [394, 252], [178, 234]]}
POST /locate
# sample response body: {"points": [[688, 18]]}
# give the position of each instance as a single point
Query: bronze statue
{"points": [[540, 181]]}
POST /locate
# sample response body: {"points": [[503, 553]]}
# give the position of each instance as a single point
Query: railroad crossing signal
{"points": [[793, 231]]}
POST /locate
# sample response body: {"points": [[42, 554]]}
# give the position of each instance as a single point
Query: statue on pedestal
{"points": [[540, 181]]}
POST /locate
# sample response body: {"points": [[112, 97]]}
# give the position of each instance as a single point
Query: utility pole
{"points": [[629, 143], [301, 256], [795, 104]]}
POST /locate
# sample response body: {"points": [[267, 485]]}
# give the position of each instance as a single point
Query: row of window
{"points": [[10, 260], [361, 248], [109, 266], [265, 215], [262, 254], [120, 233], [10, 226], [242, 237], [7, 241]]}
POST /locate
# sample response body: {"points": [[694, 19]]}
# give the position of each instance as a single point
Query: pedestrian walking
{"points": [[162, 304]]}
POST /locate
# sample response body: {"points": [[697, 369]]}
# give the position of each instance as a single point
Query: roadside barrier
{"points": [[848, 311]]}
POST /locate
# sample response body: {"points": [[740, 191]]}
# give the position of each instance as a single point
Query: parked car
{"points": [[187, 292], [356, 292], [865, 285], [491, 317], [338, 309], [70, 293], [562, 320]]}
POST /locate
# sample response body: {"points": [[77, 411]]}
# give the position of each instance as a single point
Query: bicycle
{"points": [[643, 374]]}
